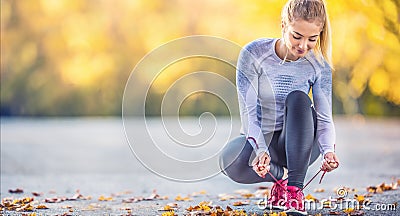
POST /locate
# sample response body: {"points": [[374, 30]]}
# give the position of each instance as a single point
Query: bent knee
{"points": [[297, 98]]}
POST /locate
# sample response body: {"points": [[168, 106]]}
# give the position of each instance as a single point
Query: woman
{"points": [[280, 124]]}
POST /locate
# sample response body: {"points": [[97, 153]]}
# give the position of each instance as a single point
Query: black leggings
{"points": [[294, 147]]}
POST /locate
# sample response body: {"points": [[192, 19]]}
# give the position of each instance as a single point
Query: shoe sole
{"points": [[295, 212]]}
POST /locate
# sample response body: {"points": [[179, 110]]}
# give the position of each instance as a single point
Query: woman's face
{"points": [[301, 36]]}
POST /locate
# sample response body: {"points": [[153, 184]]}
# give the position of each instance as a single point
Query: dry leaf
{"points": [[382, 187], [37, 194], [348, 210], [261, 193], [103, 198], [359, 198], [169, 207], [319, 190], [277, 214], [248, 195], [26, 207], [169, 213], [310, 197], [55, 199], [327, 204], [179, 198], [240, 203], [17, 190], [356, 213], [242, 191], [202, 192], [334, 213], [41, 207], [224, 197]]}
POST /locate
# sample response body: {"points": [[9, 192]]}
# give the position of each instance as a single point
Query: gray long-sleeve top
{"points": [[263, 84]]}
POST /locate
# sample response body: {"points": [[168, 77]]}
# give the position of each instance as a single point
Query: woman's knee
{"points": [[234, 169], [297, 98]]}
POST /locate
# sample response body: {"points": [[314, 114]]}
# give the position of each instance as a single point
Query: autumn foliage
{"points": [[73, 57]]}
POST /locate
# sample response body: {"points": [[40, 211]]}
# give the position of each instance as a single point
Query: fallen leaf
{"points": [[359, 198], [277, 214], [382, 187], [224, 197], [247, 195], [311, 197], [17, 190], [41, 207], [327, 204], [132, 200], [261, 193], [37, 194], [319, 190], [356, 213], [195, 194], [240, 203], [169, 206], [153, 196], [103, 198], [179, 198], [55, 199], [26, 207], [242, 191], [348, 210], [169, 213], [334, 213]]}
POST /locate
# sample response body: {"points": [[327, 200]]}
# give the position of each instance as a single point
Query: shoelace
{"points": [[320, 170], [323, 174]]}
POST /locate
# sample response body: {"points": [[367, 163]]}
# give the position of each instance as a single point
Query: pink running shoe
{"points": [[277, 199], [295, 201]]}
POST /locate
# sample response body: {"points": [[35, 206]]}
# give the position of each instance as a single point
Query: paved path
{"points": [[56, 157]]}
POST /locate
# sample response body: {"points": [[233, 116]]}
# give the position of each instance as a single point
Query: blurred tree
{"points": [[73, 57]]}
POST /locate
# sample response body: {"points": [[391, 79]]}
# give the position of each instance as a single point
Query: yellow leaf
{"points": [[41, 207], [168, 213], [310, 197], [348, 210], [103, 198]]}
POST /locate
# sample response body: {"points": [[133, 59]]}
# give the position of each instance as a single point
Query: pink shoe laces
{"points": [[320, 170], [323, 174]]}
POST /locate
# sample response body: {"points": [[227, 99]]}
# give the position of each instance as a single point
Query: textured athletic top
{"points": [[263, 83]]}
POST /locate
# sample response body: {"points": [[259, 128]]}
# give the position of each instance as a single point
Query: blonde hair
{"points": [[311, 10]]}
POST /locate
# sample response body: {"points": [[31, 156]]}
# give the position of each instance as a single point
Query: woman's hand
{"points": [[331, 162], [261, 164]]}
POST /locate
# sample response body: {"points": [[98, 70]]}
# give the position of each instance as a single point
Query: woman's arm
{"points": [[322, 95], [247, 86]]}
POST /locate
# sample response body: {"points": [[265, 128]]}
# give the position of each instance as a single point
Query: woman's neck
{"points": [[283, 52]]}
